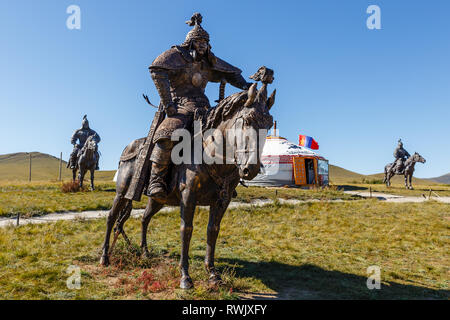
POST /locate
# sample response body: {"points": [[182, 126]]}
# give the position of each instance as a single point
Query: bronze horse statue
{"points": [[407, 171], [86, 161], [204, 184]]}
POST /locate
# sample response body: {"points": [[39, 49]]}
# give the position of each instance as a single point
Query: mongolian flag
{"points": [[308, 142]]}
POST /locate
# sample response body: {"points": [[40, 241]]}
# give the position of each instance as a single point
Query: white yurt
{"points": [[285, 163]]}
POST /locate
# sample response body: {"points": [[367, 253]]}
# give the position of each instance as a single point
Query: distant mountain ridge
{"points": [[445, 179]]}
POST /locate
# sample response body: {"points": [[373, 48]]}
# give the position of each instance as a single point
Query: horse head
{"points": [[418, 158], [90, 147], [245, 121]]}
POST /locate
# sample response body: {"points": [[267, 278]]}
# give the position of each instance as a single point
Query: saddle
{"points": [[132, 150], [399, 167]]}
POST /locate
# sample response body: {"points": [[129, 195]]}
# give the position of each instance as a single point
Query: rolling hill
{"points": [[340, 175], [44, 167], [445, 179]]}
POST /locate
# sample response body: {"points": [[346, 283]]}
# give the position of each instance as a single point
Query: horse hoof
{"points": [[104, 261], [186, 283], [215, 280], [146, 254]]}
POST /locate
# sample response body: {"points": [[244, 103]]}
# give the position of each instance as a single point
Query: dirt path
{"points": [[396, 198], [53, 217]]}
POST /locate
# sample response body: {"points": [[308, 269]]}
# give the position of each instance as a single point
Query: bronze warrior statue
{"points": [[400, 155], [82, 135], [180, 75]]}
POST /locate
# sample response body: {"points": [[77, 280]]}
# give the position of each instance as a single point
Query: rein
{"points": [[223, 183]]}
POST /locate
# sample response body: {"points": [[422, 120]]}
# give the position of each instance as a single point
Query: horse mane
{"points": [[410, 158], [86, 143], [224, 110]]}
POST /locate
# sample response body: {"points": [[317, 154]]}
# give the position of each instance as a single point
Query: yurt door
{"points": [[299, 170]]}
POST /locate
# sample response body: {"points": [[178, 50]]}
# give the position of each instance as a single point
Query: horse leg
{"points": [[92, 180], [215, 217], [187, 209], [118, 205], [150, 210], [388, 183], [81, 174], [74, 174], [118, 229], [410, 184], [406, 181]]}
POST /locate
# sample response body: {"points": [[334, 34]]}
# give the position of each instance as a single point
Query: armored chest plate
{"points": [[198, 75]]}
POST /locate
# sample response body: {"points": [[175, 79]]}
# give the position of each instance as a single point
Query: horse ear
{"points": [[271, 99], [251, 94]]}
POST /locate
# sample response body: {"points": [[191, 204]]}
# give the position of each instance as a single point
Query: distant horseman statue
{"points": [[180, 75], [400, 155], [403, 165], [85, 153]]}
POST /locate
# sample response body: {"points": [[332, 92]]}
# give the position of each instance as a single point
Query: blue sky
{"points": [[355, 90]]}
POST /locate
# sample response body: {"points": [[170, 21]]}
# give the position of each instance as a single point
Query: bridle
{"points": [[223, 183]]}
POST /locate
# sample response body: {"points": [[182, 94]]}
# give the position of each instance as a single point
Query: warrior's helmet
{"points": [[197, 32], [85, 123], [400, 143]]}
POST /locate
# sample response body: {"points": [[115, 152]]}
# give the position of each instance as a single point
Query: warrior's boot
{"points": [[160, 158], [399, 167], [72, 160], [157, 189]]}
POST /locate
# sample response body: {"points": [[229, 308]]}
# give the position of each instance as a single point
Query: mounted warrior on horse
{"points": [[403, 165], [85, 153], [180, 75]]}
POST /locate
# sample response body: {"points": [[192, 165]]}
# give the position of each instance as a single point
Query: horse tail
{"points": [[385, 173]]}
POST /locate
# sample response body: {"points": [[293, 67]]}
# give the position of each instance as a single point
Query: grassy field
{"points": [[420, 190], [37, 198], [311, 250]]}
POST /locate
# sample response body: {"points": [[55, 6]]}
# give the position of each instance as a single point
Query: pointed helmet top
{"points": [[197, 32]]}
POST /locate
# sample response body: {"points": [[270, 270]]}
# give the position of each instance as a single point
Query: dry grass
{"points": [[312, 250], [72, 186]]}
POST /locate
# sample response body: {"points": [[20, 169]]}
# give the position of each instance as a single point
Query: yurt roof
{"points": [[277, 146]]}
